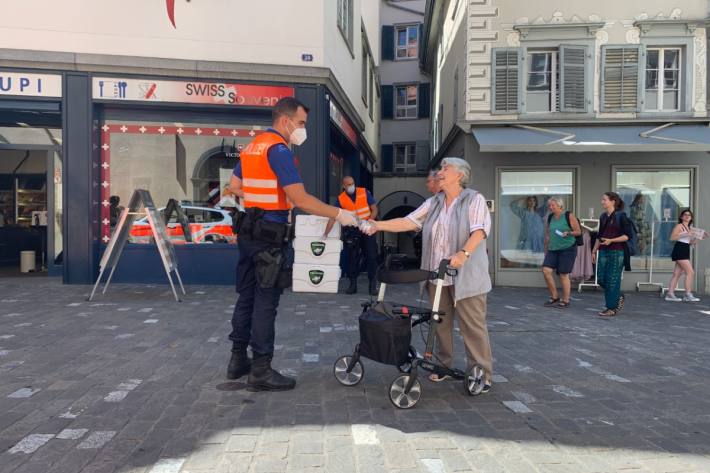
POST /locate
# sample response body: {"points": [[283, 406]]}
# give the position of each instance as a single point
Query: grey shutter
{"points": [[387, 160], [506, 80], [424, 101], [422, 155], [573, 83], [387, 101], [387, 43], [620, 78]]}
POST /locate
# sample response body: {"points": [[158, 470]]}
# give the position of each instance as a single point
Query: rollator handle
{"points": [[443, 268]]}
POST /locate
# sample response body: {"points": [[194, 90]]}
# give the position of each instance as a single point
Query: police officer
{"points": [[360, 201], [267, 179]]}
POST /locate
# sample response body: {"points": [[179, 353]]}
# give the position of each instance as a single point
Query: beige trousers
{"points": [[471, 315]]}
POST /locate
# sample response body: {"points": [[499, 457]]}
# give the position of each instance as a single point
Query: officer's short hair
{"points": [[287, 106]]}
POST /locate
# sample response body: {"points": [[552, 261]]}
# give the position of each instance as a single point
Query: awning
{"points": [[604, 138]]}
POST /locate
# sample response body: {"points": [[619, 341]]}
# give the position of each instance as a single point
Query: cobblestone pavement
{"points": [[134, 382]]}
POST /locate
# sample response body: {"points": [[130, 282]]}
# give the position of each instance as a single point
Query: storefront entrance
{"points": [[30, 205]]}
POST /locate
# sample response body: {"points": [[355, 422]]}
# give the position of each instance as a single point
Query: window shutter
{"points": [[422, 155], [573, 89], [386, 161], [506, 80], [620, 78], [387, 43], [423, 101], [387, 102]]}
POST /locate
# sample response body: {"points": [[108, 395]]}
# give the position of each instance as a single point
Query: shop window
{"points": [[662, 87], [407, 44], [654, 200], [522, 208], [406, 105], [405, 158], [189, 162]]}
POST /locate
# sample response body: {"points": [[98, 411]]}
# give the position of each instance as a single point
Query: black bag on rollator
{"points": [[384, 336]]}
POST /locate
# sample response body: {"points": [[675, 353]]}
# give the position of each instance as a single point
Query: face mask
{"points": [[298, 136], [350, 189]]}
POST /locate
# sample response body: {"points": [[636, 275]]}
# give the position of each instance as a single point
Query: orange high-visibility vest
{"points": [[259, 183], [360, 206]]}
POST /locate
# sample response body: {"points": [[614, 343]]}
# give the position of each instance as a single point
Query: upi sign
{"points": [[30, 85]]}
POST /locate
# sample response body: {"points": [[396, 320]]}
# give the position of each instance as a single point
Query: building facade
{"points": [[405, 121], [601, 96], [98, 100]]}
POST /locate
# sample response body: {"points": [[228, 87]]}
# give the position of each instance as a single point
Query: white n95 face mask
{"points": [[350, 189], [298, 136]]}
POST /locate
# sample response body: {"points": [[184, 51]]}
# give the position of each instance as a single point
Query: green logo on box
{"points": [[317, 248], [316, 276]]}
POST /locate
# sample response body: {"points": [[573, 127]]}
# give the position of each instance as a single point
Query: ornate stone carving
{"points": [[514, 39], [700, 69], [633, 35]]}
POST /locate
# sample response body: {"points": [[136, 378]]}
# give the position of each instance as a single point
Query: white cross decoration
{"points": [[105, 239], [105, 146], [123, 128], [105, 203], [198, 132], [104, 184], [161, 130], [142, 129], [216, 132], [180, 131], [105, 221], [251, 133], [105, 128], [105, 165], [235, 132]]}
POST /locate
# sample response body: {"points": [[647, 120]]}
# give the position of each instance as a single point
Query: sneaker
{"points": [[689, 297], [670, 297]]}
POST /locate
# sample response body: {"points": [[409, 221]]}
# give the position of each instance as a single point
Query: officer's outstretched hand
{"points": [[346, 218]]}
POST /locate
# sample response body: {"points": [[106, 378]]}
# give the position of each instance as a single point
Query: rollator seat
{"points": [[404, 277]]}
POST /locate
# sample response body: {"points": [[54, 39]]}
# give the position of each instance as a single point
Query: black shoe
{"points": [[352, 288], [373, 287], [265, 378], [239, 364]]}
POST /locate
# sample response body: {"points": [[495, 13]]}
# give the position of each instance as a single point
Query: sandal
{"points": [[550, 302], [435, 378], [621, 303], [562, 305], [607, 313]]}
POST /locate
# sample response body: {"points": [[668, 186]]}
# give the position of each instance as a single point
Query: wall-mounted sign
{"points": [[343, 123], [216, 93], [307, 57], [30, 85]]}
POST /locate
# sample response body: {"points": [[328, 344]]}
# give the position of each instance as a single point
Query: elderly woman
{"points": [[560, 251], [455, 224]]}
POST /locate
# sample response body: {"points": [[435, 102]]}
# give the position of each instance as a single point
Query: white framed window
{"points": [[405, 157], [406, 101], [345, 20], [663, 76], [407, 42], [363, 73], [542, 92], [370, 94]]}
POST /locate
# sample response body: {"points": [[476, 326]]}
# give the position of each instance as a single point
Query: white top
{"points": [[684, 235], [478, 216]]}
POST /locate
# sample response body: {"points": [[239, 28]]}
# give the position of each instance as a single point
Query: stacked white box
{"points": [[316, 266]]}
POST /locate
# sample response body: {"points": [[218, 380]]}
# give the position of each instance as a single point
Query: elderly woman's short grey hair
{"points": [[461, 166], [558, 200]]}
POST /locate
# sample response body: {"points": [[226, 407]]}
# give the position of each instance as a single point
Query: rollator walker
{"points": [[386, 336]]}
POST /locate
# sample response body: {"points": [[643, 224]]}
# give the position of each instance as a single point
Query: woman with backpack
{"points": [[560, 251], [681, 257], [615, 230]]}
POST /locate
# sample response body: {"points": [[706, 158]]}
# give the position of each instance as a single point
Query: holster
{"points": [[254, 226], [268, 266], [351, 237], [237, 221]]}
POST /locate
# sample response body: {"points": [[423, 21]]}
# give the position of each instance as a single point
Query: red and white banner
{"points": [[215, 93]]}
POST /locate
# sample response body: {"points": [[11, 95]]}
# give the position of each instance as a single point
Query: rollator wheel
{"points": [[403, 400], [340, 371], [473, 381]]}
